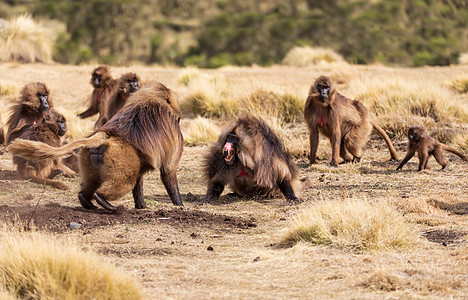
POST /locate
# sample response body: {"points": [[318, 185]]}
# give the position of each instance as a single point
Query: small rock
{"points": [[194, 235], [74, 225], [257, 258], [159, 240], [210, 248]]}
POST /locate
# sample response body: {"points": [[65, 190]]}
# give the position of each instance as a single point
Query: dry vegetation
{"points": [[386, 234]]}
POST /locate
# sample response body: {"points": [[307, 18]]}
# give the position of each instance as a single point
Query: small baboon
{"points": [[33, 103], [143, 136], [343, 121], [128, 84], [103, 87], [48, 131], [251, 160], [425, 145]]}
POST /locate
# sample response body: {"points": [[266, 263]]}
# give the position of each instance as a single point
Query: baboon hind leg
{"points": [[439, 156], [344, 154], [170, 183], [138, 194]]}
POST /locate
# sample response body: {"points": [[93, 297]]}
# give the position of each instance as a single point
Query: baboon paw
{"points": [[103, 202], [86, 203]]}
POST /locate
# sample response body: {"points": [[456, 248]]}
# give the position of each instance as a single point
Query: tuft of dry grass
{"points": [[35, 266], [210, 96], [463, 58], [353, 224], [308, 56], [187, 75], [202, 131], [460, 84], [418, 102], [460, 141], [24, 40], [8, 89]]}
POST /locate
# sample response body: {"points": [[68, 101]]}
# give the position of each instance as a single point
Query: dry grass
{"points": [[460, 84], [400, 103], [24, 40], [463, 58], [308, 56], [202, 131], [34, 266], [353, 224], [460, 141]]}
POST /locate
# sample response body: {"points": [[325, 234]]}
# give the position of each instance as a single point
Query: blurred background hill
{"points": [[213, 33]]}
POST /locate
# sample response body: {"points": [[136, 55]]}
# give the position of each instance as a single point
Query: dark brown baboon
{"points": [[343, 121], [251, 160], [425, 145], [143, 136], [103, 85], [128, 84], [33, 103], [49, 131]]}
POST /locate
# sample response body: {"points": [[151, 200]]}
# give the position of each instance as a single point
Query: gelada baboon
{"points": [[251, 160], [425, 145], [128, 84], [343, 121], [49, 131], [103, 85], [33, 103], [143, 136]]}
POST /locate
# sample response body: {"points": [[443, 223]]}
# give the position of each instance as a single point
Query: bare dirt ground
{"points": [[230, 249]]}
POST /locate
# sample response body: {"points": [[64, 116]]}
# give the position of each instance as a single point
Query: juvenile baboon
{"points": [[128, 84], [251, 160], [33, 103], [48, 131], [343, 121], [143, 136], [103, 87], [425, 145]]}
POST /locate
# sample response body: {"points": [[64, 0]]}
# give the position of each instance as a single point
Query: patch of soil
{"points": [[57, 218], [444, 237]]}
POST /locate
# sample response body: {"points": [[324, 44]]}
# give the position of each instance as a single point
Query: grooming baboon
{"points": [[251, 160], [343, 121], [128, 83], [103, 85], [425, 145], [49, 131], [33, 103], [143, 136]]}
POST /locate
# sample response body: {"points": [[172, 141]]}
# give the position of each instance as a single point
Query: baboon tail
{"points": [[446, 148], [382, 133], [34, 150]]}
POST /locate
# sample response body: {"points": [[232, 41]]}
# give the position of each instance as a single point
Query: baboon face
{"points": [[43, 96], [56, 122], [96, 76], [129, 83], [229, 149], [34, 91], [415, 133], [323, 86]]}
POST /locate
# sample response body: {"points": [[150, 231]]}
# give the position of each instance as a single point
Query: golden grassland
{"points": [[363, 230]]}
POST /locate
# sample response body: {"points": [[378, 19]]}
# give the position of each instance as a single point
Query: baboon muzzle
{"points": [[228, 153]]}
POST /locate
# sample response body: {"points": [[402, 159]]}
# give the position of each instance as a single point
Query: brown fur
{"points": [[425, 145], [143, 136], [49, 131], [2, 132], [260, 153], [29, 109], [343, 121], [102, 90], [128, 84]]}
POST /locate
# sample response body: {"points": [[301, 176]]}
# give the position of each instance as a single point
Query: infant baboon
{"points": [[251, 160], [426, 146]]}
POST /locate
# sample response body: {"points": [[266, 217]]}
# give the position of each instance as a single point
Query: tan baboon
{"points": [[103, 85], [251, 160], [425, 145], [128, 84], [143, 136], [30, 108], [343, 121], [48, 131]]}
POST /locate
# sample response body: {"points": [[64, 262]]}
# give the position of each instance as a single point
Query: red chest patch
{"points": [[99, 97], [243, 173], [321, 121]]}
